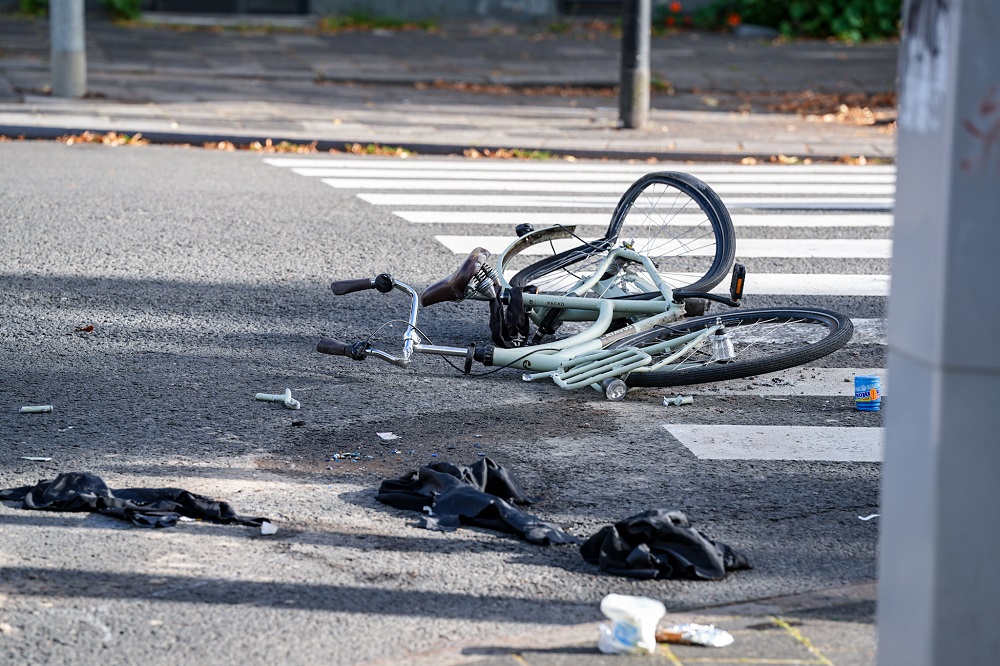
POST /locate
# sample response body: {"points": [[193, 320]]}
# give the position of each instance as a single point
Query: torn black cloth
{"points": [[482, 495], [146, 507], [660, 544]]}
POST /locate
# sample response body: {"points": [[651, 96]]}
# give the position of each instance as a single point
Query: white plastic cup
{"points": [[633, 624]]}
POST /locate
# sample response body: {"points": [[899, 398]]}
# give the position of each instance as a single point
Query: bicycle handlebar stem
{"points": [[412, 342], [410, 337]]}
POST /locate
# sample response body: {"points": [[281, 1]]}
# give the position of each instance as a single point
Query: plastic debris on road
{"points": [[869, 516], [267, 528], [387, 436], [35, 409], [284, 398], [695, 634], [633, 624], [36, 458], [679, 400]]}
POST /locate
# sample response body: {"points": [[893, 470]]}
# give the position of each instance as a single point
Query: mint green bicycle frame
{"points": [[582, 359]]}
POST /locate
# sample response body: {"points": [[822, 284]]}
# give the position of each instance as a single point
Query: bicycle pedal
{"points": [[739, 278]]}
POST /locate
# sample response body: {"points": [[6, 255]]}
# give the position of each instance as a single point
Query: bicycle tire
{"points": [[671, 217], [808, 334]]}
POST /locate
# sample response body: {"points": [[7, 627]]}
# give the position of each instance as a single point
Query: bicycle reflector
{"points": [[722, 347], [739, 278]]}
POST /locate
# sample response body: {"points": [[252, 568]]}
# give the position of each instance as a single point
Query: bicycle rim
{"points": [[764, 340], [673, 218]]}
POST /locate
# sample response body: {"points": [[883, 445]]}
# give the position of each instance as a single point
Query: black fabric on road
{"points": [[146, 507], [481, 495], [660, 544]]}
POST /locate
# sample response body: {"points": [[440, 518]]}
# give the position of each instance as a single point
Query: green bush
{"points": [[123, 9], [849, 20], [126, 9], [35, 7]]}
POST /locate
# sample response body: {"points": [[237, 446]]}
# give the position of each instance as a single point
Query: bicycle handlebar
{"points": [[332, 347], [341, 287], [359, 351]]}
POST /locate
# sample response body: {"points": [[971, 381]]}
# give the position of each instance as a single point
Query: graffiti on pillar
{"points": [[984, 127], [925, 64]]}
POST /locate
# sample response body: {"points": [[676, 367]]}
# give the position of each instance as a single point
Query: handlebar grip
{"points": [[332, 347], [341, 287]]}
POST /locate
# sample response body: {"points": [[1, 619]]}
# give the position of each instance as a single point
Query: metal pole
{"points": [[68, 52], [633, 96], [939, 583]]}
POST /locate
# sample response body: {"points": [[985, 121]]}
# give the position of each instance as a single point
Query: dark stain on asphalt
{"points": [[337, 450]]}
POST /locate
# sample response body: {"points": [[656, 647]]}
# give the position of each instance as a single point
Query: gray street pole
{"points": [[939, 581], [633, 96], [68, 52]]}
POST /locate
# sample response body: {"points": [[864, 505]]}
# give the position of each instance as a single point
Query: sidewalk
{"points": [[832, 627], [715, 97]]}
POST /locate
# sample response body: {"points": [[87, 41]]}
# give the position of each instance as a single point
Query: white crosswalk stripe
{"points": [[766, 178], [608, 202], [837, 215], [809, 248], [601, 220], [558, 166], [466, 184], [742, 442]]}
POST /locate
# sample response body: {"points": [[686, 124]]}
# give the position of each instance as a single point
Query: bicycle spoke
{"points": [[749, 338]]}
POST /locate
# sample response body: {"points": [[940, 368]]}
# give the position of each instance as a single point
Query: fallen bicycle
{"points": [[643, 288]]}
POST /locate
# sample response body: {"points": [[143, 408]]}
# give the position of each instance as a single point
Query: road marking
{"points": [[539, 220], [869, 331], [454, 171], [799, 381], [608, 203], [781, 248], [815, 443], [722, 189], [796, 284], [374, 163], [817, 284]]}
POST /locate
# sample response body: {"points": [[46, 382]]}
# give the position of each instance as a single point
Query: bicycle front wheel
{"points": [[764, 340], [673, 218]]}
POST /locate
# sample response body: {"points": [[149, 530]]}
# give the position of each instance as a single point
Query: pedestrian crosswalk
{"points": [[836, 220]]}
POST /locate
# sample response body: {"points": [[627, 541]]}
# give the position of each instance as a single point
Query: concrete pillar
{"points": [[939, 579], [633, 95], [68, 52]]}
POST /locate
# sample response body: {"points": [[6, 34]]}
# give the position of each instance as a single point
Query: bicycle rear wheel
{"points": [[673, 218], [764, 340]]}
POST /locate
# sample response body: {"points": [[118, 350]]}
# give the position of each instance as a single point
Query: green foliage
{"points": [[849, 20], [120, 9], [522, 154], [124, 9], [35, 7], [363, 21]]}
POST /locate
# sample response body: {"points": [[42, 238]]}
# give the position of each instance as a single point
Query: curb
{"points": [[31, 133]]}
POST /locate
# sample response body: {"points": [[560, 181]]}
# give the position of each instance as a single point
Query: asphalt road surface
{"points": [[205, 274]]}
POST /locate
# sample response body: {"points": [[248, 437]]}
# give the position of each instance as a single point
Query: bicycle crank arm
{"points": [[735, 290]]}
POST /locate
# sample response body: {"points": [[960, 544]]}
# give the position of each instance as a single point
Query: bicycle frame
{"points": [[575, 361], [578, 360], [539, 304]]}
